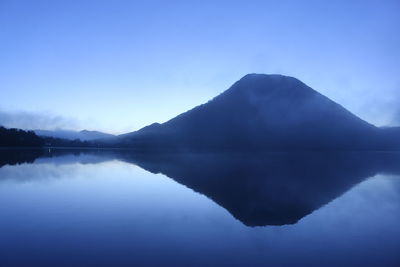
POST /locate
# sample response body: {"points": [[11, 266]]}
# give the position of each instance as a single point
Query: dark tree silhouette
{"points": [[17, 138], [20, 138]]}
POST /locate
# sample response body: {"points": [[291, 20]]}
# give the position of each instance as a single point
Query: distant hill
{"points": [[21, 138], [72, 135], [263, 112]]}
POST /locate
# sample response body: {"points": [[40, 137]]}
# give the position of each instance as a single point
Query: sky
{"points": [[117, 66]]}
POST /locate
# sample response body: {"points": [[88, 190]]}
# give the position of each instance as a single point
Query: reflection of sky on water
{"points": [[116, 212]]}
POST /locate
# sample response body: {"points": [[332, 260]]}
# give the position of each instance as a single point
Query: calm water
{"points": [[114, 208]]}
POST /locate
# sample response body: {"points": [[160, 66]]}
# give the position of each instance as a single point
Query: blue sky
{"points": [[117, 66]]}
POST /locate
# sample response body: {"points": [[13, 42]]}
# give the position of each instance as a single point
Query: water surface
{"points": [[116, 208]]}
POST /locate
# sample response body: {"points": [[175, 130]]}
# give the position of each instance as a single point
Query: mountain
{"points": [[72, 135], [262, 112]]}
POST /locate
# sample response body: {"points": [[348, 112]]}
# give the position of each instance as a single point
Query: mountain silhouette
{"points": [[263, 112], [83, 135]]}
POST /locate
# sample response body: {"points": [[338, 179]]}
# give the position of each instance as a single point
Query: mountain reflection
{"points": [[257, 189]]}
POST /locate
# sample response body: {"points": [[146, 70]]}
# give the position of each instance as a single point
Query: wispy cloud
{"points": [[396, 103], [36, 120], [396, 118]]}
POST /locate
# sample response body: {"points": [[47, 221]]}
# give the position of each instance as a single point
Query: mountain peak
{"points": [[268, 78], [268, 86]]}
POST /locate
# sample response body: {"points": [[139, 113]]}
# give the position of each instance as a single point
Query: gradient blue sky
{"points": [[117, 66]]}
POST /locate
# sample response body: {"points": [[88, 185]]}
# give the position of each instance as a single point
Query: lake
{"points": [[120, 208]]}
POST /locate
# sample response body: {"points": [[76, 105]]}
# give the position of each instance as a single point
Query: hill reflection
{"points": [[257, 189]]}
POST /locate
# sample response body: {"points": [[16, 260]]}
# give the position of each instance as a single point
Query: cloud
{"points": [[396, 115], [36, 120], [396, 118]]}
